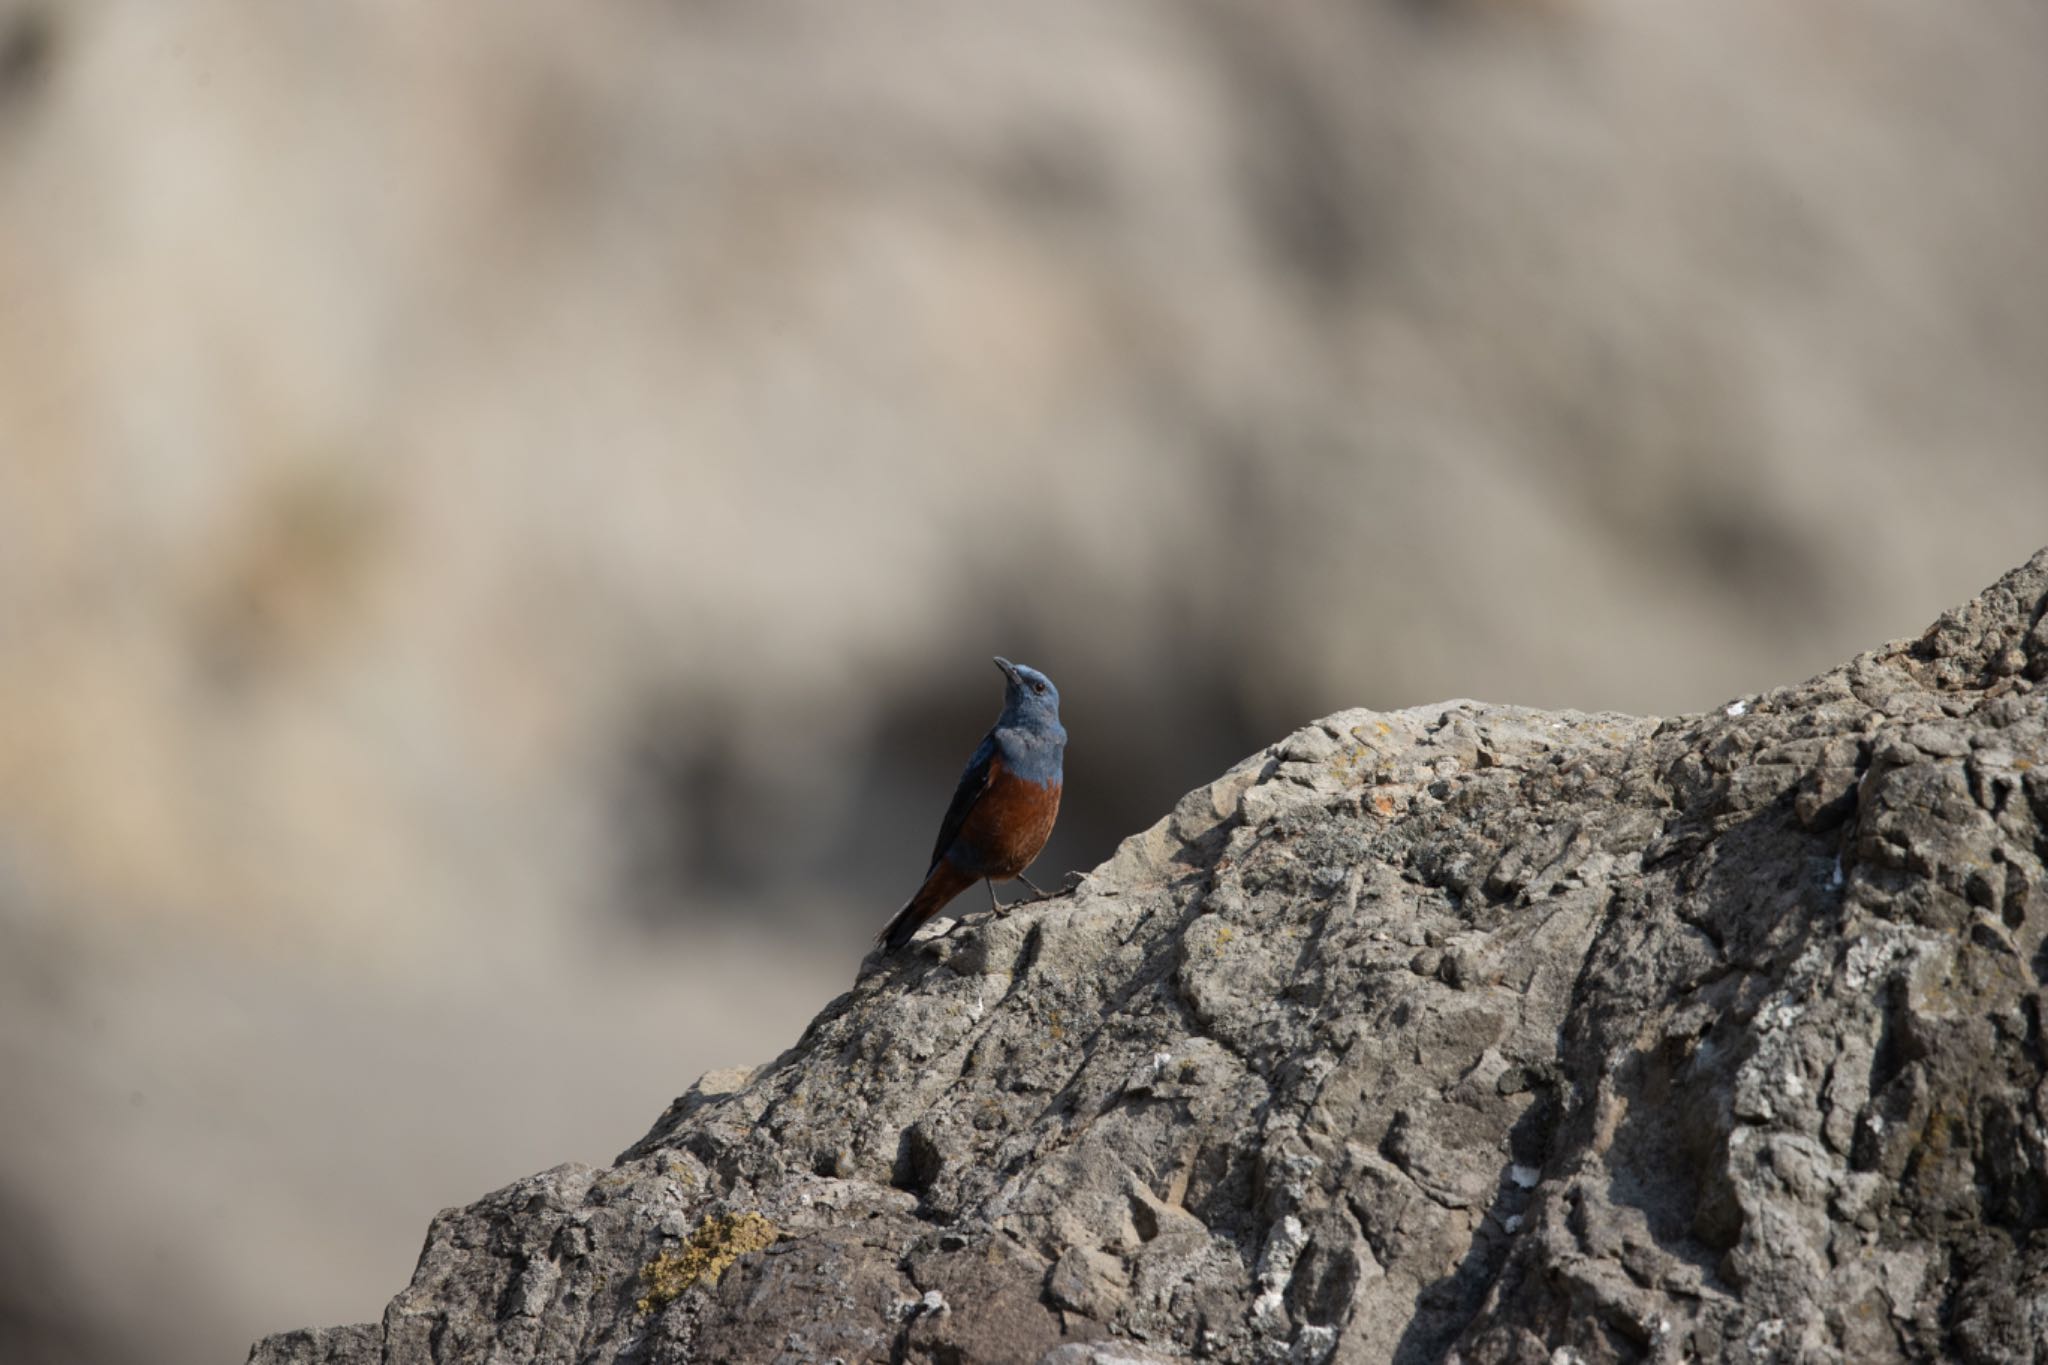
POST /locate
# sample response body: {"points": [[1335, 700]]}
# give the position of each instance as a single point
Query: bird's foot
{"points": [[1068, 885], [996, 907]]}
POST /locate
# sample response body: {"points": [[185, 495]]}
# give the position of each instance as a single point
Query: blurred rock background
{"points": [[505, 508]]}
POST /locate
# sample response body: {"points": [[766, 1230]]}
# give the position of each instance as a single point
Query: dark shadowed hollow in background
{"points": [[505, 509]]}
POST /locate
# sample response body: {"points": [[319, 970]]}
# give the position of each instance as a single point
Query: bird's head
{"points": [[1028, 695]]}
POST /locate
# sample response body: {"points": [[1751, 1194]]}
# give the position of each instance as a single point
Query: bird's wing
{"points": [[973, 782]]}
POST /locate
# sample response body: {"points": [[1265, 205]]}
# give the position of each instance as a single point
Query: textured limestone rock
{"points": [[1459, 1033]]}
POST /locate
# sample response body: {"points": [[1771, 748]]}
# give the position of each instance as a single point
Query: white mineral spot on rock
{"points": [[1313, 1345], [1276, 1265], [1525, 1176], [1513, 1222], [1783, 1015], [1739, 708]]}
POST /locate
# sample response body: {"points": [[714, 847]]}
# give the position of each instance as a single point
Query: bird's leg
{"points": [[1036, 894], [994, 904]]}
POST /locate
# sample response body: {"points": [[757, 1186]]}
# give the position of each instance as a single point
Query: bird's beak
{"points": [[1009, 669]]}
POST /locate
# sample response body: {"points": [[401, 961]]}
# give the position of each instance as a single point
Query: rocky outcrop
{"points": [[1462, 1033]]}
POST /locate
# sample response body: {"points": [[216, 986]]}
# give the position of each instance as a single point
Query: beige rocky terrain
{"points": [[1465, 1032]]}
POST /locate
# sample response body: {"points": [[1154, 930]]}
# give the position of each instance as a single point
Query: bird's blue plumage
{"points": [[1004, 805]]}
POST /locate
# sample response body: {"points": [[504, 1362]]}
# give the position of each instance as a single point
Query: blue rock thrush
{"points": [[1002, 811]]}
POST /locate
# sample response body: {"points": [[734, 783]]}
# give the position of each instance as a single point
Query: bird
{"points": [[1003, 809]]}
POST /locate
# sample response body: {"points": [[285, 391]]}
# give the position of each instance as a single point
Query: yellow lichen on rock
{"points": [[712, 1248]]}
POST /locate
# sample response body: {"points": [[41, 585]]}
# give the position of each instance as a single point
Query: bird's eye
{"points": [[1039, 688]]}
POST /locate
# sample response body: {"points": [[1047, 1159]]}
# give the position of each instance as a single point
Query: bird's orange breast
{"points": [[1011, 822]]}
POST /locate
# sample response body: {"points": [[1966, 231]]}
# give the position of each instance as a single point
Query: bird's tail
{"points": [[944, 882]]}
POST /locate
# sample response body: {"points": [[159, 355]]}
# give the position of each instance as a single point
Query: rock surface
{"points": [[1461, 1033]]}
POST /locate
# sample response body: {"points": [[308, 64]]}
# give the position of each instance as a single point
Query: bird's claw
{"points": [[1069, 884]]}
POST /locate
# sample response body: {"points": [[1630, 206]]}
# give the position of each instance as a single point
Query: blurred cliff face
{"points": [[492, 494]]}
